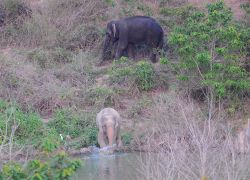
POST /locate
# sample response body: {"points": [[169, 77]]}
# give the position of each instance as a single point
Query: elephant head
{"points": [[108, 122], [112, 35]]}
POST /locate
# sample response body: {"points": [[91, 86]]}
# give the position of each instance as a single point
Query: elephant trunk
{"points": [[110, 133], [106, 49]]}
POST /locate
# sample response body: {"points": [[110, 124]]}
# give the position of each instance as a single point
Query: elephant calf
{"points": [[124, 34], [108, 122]]}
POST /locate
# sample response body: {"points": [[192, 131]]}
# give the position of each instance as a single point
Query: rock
{"points": [[85, 150]]}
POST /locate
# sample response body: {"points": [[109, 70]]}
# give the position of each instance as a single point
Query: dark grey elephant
{"points": [[124, 34]]}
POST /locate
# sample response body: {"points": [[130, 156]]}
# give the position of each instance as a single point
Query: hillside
{"points": [[49, 65]]}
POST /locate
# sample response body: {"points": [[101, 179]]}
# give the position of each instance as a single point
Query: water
{"points": [[118, 166]]}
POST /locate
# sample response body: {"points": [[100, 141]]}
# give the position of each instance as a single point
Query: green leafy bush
{"points": [[27, 124], [50, 141], [125, 72], [59, 167], [144, 73], [175, 15], [100, 96], [27, 128], [210, 48], [68, 122], [126, 138]]}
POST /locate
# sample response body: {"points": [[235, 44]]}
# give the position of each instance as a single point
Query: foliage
{"points": [[50, 141], [142, 74], [27, 124], [27, 128], [46, 59], [15, 8], [88, 138], [68, 122], [101, 96], [211, 47], [176, 15], [126, 138], [59, 167], [137, 108], [121, 70]]}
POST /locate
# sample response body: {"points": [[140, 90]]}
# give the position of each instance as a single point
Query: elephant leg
{"points": [[118, 138], [131, 51], [120, 49], [101, 140]]}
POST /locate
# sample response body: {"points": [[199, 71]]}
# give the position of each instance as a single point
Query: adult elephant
{"points": [[124, 34], [108, 122]]}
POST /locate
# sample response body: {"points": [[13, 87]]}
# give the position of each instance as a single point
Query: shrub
{"points": [[125, 72], [59, 167], [210, 48], [137, 108], [50, 141], [28, 125], [46, 59], [121, 71], [16, 8], [144, 73], [175, 15], [69, 122], [101, 96], [126, 138]]}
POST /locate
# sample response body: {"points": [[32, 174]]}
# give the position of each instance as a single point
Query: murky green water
{"points": [[120, 166]]}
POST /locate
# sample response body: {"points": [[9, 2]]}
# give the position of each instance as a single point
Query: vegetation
{"points": [[211, 48], [191, 106], [59, 167], [70, 123], [141, 75]]}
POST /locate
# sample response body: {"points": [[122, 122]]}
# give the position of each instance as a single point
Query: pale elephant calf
{"points": [[108, 122]]}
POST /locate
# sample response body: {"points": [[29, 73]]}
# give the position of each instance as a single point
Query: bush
{"points": [[46, 59], [126, 138], [101, 97], [28, 125], [86, 139], [144, 73], [125, 72], [50, 141], [137, 108], [69, 122], [59, 167], [210, 48], [121, 71]]}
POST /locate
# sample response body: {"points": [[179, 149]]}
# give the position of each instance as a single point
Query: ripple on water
{"points": [[117, 166]]}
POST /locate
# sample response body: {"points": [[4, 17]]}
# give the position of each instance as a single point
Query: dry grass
{"points": [[189, 146], [45, 90]]}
